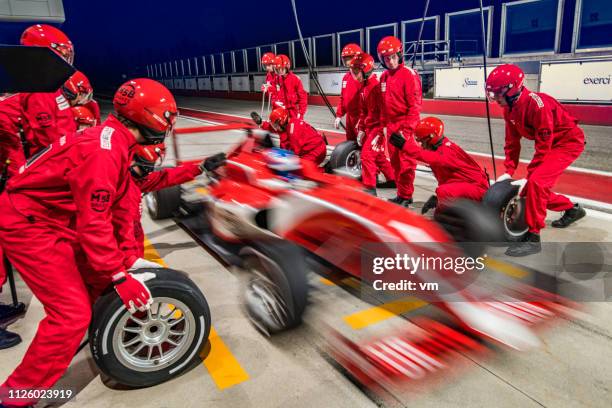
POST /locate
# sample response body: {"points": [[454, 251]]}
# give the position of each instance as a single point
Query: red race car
{"points": [[275, 215]]}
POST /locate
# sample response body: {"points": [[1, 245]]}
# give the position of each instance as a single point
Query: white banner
{"points": [[204, 84], [191, 84], [240, 83], [461, 82], [331, 82], [179, 84], [220, 84], [578, 81], [305, 78]]}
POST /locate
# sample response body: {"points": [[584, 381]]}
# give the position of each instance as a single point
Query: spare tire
{"points": [[470, 224], [347, 155], [149, 348], [502, 198], [276, 290], [163, 203]]}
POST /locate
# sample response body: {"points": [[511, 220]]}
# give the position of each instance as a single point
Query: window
{"points": [[217, 63], [324, 51], [347, 37], [227, 62], [239, 60], [283, 48], [251, 62], [593, 24], [410, 34], [530, 26], [463, 30], [377, 33], [298, 53]]}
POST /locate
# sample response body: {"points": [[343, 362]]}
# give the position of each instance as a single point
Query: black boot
{"points": [[8, 339], [371, 191], [430, 204], [404, 202], [570, 216], [529, 245], [11, 312]]}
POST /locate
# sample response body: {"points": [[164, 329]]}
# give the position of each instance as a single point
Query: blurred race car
{"points": [[274, 218]]}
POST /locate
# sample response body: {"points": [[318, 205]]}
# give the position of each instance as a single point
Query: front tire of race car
{"points": [[276, 287], [149, 348], [163, 203], [347, 156], [503, 199]]}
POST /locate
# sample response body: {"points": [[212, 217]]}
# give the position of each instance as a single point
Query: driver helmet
{"points": [[282, 162]]}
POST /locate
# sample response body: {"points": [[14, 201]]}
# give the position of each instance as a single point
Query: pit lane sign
{"points": [[578, 81], [460, 82]]}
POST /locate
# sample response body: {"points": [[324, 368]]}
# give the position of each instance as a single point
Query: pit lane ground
{"points": [[572, 368]]}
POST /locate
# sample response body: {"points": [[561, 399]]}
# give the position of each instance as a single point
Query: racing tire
{"points": [[347, 155], [471, 225], [163, 203], [502, 198], [276, 289], [149, 348]]}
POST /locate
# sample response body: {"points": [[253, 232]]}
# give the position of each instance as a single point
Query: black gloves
{"points": [[397, 140], [256, 118], [213, 162], [430, 204]]}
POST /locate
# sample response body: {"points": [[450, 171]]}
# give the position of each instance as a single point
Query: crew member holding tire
{"points": [[558, 143], [62, 204], [458, 175], [296, 135], [290, 92], [401, 110], [349, 95], [370, 134]]}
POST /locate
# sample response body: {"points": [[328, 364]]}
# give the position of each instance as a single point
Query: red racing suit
{"points": [[291, 94], [558, 143], [10, 140], [131, 240], [373, 158], [349, 105], [47, 116], [63, 203], [401, 109], [457, 173], [271, 81], [302, 139]]}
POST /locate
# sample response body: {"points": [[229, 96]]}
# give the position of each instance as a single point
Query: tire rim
{"points": [[353, 162], [514, 224], [267, 308], [153, 340], [151, 203]]}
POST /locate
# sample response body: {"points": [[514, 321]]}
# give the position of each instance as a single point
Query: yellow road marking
{"points": [[506, 268], [223, 367], [373, 315]]}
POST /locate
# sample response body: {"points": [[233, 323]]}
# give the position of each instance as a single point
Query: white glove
{"points": [[279, 104], [360, 137], [337, 124], [503, 177], [143, 263], [299, 116], [521, 184], [376, 146], [264, 87]]}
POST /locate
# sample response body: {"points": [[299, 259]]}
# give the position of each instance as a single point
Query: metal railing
{"points": [[427, 51]]}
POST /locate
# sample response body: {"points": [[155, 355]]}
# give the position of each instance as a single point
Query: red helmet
{"points": [[350, 50], [282, 61], [280, 115], [149, 106], [42, 35], [78, 88], [388, 46], [363, 62], [505, 80], [268, 58], [83, 116], [429, 130], [146, 157]]}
